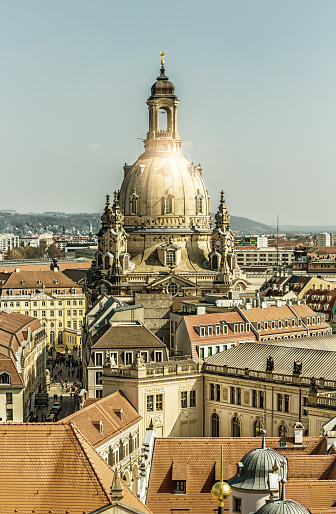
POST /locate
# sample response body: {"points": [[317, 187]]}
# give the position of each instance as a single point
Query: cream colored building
{"points": [[52, 297], [168, 394]]}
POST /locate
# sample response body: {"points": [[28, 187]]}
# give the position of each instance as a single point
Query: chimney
{"points": [[263, 305], [121, 414], [278, 303], [298, 433]]}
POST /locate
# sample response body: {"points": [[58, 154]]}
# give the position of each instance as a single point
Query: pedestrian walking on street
{"points": [[61, 398]]}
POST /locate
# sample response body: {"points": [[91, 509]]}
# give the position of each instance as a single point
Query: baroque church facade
{"points": [[157, 236]]}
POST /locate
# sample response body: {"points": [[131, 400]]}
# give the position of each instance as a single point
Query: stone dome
{"points": [[170, 178], [255, 467]]}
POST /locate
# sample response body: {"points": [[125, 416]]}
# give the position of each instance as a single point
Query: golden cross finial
{"points": [[162, 54]]}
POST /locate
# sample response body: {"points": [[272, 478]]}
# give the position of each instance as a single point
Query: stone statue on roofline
{"points": [[313, 386], [297, 368], [109, 360], [139, 361], [270, 364]]}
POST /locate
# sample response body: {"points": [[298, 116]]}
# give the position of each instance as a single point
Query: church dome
{"points": [[163, 183], [255, 467]]}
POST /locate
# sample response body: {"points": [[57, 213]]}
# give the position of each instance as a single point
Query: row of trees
{"points": [[31, 252]]}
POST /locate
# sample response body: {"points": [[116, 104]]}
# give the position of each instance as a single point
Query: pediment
{"points": [[42, 295], [171, 279]]}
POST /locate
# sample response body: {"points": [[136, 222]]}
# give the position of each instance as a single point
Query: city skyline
{"points": [[255, 84]]}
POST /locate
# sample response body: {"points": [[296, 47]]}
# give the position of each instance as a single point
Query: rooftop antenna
{"points": [[277, 246]]}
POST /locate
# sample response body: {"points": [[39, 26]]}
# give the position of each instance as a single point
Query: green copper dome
{"points": [[282, 507]]}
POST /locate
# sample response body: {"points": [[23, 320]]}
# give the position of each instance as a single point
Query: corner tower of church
{"points": [[170, 246]]}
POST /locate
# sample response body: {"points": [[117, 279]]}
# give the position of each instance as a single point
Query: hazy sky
{"points": [[256, 81]]}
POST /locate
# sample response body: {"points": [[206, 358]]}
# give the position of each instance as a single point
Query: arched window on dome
{"points": [[283, 431], [214, 425], [235, 426], [199, 203], [99, 259], [258, 428], [125, 262], [168, 204], [107, 262], [134, 204]]}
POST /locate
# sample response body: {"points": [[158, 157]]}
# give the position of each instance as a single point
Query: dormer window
{"points": [[265, 325], [273, 324], [235, 328], [5, 378], [279, 323], [56, 281], [202, 331], [247, 327], [39, 282], [170, 258], [72, 290], [210, 330], [10, 292], [23, 282], [217, 330], [225, 329], [241, 327]]}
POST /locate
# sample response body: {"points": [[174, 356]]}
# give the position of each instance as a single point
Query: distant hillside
{"points": [[247, 226]]}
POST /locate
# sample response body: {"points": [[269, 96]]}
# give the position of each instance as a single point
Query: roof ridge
{"points": [[79, 434]]}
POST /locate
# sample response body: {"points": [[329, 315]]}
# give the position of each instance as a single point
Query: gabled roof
{"points": [[52, 467], [107, 411], [127, 335], [31, 280], [7, 365], [13, 330]]}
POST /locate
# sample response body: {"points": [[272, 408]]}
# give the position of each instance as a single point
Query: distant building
{"points": [[325, 239], [252, 241], [8, 242], [263, 258], [50, 296]]}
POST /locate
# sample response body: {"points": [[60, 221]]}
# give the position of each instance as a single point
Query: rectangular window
{"points": [[9, 398], [210, 331], [43, 314], [74, 302], [150, 403], [80, 302], [218, 393], [261, 399], [225, 329], [192, 398], [254, 398], [184, 399], [241, 327], [9, 414], [52, 313], [98, 377], [238, 396], [158, 356], [60, 313], [128, 358], [232, 394], [98, 393], [34, 304], [180, 486], [280, 402], [144, 355], [201, 353], [43, 303], [60, 303], [80, 312], [27, 313], [99, 359], [52, 304], [68, 324], [68, 313], [74, 312], [68, 302], [235, 395], [80, 323], [237, 504], [74, 325], [209, 351], [212, 391], [158, 402], [286, 403], [202, 331], [235, 328], [35, 314], [217, 349], [26, 304], [217, 329]]}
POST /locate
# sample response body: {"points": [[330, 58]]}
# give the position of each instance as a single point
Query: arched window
{"points": [[52, 337], [199, 205], [258, 428], [134, 204], [5, 378], [170, 258], [215, 425], [283, 431], [107, 262], [172, 289], [235, 426], [60, 337], [99, 259], [168, 204], [214, 262], [126, 263]]}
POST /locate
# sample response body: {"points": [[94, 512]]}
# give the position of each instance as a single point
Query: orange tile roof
{"points": [[31, 280], [52, 468], [202, 456], [105, 410], [302, 467], [312, 494], [45, 266], [13, 330]]}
